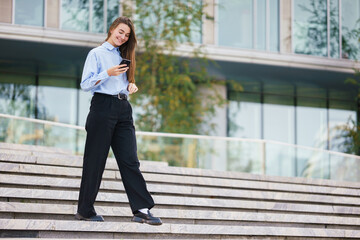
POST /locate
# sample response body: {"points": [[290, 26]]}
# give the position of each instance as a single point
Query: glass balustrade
{"points": [[195, 151]]}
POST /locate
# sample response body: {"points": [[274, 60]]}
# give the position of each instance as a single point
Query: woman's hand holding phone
{"points": [[117, 70]]}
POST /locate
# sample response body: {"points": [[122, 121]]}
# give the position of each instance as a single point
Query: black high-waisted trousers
{"points": [[110, 123]]}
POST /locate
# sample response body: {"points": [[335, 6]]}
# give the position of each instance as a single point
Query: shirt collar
{"points": [[108, 45]]}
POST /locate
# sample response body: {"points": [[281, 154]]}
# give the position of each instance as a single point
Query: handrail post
{"points": [[263, 157]]}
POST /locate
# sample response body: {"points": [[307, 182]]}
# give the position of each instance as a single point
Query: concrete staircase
{"points": [[39, 191]]}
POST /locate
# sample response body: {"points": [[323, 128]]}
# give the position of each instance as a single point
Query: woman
{"points": [[110, 123]]}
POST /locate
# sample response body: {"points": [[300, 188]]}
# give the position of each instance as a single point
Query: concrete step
{"points": [[147, 168], [163, 188], [227, 217], [163, 168], [34, 148], [26, 195], [178, 229]]}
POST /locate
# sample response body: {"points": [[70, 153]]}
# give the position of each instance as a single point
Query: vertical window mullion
{"points": [[267, 42], [13, 12], [340, 30], [254, 23], [45, 13], [216, 17], [292, 26], [60, 10]]}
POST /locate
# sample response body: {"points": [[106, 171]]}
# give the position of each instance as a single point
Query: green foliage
{"points": [[170, 79], [349, 135]]}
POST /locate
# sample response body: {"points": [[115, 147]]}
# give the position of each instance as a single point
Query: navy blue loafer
{"points": [[146, 218], [96, 218]]}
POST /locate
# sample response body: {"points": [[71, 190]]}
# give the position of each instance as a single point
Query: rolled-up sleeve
{"points": [[92, 77]]}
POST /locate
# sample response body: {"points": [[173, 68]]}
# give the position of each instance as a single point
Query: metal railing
{"points": [[209, 152]]}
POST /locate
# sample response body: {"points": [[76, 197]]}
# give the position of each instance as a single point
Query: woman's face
{"points": [[119, 35]]}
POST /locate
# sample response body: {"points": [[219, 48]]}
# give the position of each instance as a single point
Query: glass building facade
{"points": [[291, 105]]}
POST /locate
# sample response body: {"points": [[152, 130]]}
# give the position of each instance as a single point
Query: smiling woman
{"points": [[110, 123]]}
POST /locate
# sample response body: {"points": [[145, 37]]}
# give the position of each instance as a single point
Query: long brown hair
{"points": [[127, 49]]}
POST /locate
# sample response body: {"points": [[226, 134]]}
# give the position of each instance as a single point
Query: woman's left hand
{"points": [[132, 88]]}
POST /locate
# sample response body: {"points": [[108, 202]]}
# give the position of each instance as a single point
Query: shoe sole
{"points": [[81, 218], [141, 220]]}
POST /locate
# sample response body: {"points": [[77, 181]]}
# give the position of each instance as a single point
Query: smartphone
{"points": [[126, 61]]}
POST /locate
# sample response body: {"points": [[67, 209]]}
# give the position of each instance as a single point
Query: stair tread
{"points": [[63, 225], [110, 211], [179, 189], [50, 194], [162, 167]]}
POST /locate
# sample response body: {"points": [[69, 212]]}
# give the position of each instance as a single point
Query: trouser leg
{"points": [[98, 140], [124, 147]]}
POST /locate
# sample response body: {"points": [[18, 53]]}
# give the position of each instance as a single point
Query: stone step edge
{"points": [[246, 184], [38, 148], [221, 174], [107, 211], [10, 170], [51, 195], [187, 190], [56, 225]]}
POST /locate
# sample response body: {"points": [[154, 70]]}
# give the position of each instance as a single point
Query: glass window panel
{"points": [[196, 26], [334, 28], [311, 121], [84, 106], [57, 99], [342, 116], [279, 118], [236, 23], [75, 15], [274, 25], [244, 112], [260, 24], [310, 90], [17, 94], [98, 16], [29, 12], [112, 11], [278, 87], [350, 14], [338, 94], [310, 27]]}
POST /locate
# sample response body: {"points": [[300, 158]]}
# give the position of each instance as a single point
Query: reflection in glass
{"points": [[313, 164], [29, 12], [75, 15], [280, 160], [340, 115], [84, 106], [236, 23], [244, 111], [274, 25], [97, 16], [279, 122], [17, 94], [334, 29], [310, 27], [350, 11], [260, 25], [112, 11], [344, 168], [244, 156], [57, 99], [311, 120]]}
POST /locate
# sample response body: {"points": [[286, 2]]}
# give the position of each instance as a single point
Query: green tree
{"points": [[170, 81]]}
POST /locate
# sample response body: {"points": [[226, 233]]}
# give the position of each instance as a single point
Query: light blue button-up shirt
{"points": [[98, 61]]}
